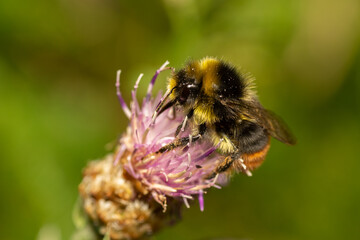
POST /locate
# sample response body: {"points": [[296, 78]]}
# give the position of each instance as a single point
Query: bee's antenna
{"points": [[161, 103]]}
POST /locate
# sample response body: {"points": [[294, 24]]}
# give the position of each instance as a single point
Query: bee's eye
{"points": [[185, 92]]}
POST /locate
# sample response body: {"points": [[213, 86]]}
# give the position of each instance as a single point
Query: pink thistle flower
{"points": [[125, 195], [179, 173]]}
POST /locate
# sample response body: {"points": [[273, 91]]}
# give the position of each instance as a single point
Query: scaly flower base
{"points": [[118, 205]]}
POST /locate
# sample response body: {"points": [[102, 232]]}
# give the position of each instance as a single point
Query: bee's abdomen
{"points": [[253, 144], [250, 137], [254, 160]]}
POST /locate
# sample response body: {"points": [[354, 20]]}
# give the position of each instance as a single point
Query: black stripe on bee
{"points": [[231, 84]]}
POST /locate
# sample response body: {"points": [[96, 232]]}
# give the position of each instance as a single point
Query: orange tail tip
{"points": [[254, 160]]}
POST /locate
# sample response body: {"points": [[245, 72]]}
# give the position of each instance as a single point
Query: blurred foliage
{"points": [[59, 109]]}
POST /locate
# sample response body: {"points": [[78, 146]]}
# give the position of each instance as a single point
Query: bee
{"points": [[221, 107]]}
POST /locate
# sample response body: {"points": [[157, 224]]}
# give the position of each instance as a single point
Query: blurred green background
{"points": [[59, 109]]}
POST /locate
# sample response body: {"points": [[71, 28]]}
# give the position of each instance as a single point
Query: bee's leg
{"points": [[178, 143], [174, 111], [224, 165], [183, 141], [182, 126]]}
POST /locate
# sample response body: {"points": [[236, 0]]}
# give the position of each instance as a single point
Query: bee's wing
{"points": [[253, 111]]}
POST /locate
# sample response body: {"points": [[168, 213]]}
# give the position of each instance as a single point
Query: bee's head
{"points": [[186, 87]]}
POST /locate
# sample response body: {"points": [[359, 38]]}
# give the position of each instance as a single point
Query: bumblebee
{"points": [[221, 107]]}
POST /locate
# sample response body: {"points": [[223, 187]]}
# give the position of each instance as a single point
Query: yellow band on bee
{"points": [[205, 114], [210, 79], [225, 146]]}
